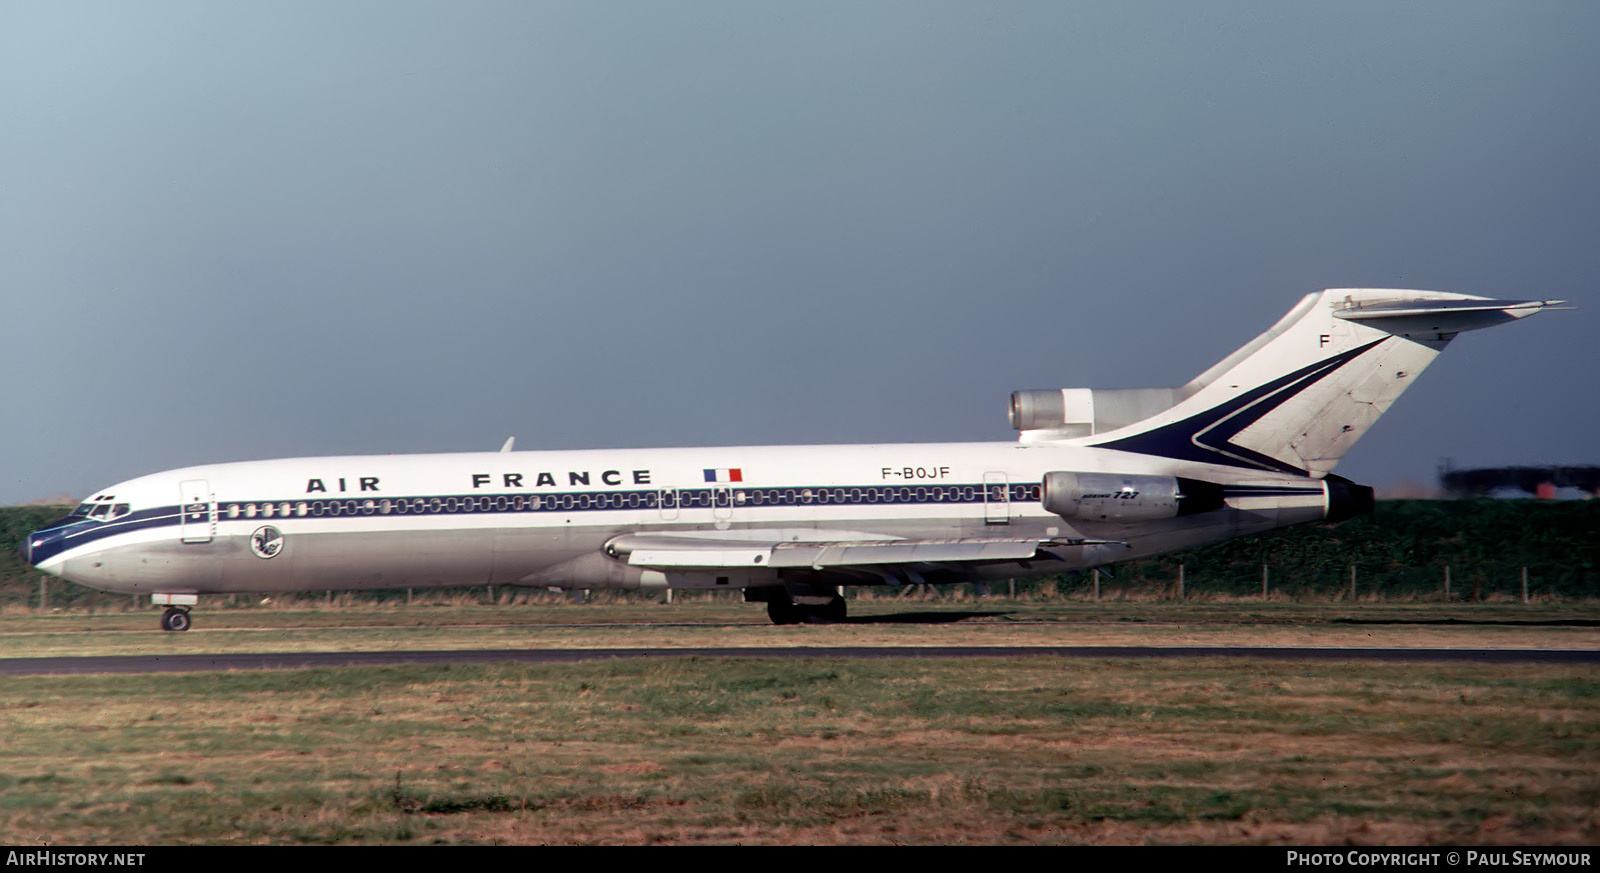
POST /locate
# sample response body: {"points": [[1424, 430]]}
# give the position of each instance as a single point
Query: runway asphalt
{"points": [[300, 660]]}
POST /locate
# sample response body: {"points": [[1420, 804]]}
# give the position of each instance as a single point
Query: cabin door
{"points": [[197, 511], [721, 506]]}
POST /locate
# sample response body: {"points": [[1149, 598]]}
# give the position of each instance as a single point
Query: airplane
{"points": [[1096, 476]]}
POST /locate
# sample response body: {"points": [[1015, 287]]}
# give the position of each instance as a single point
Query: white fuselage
{"points": [[544, 518]]}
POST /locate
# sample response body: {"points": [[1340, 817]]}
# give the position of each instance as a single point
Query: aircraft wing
{"points": [[669, 550]]}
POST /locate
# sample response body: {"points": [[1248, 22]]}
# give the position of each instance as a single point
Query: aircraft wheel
{"points": [[828, 613], [175, 619], [783, 611]]}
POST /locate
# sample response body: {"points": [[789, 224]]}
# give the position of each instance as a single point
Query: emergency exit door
{"points": [[996, 498]]}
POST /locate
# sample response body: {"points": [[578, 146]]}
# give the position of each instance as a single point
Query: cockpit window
{"points": [[99, 511]]}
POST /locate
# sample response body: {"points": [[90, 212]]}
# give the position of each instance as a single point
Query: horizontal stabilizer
{"points": [[1440, 318]]}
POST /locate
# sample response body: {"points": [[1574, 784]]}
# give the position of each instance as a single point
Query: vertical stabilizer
{"points": [[1297, 397]]}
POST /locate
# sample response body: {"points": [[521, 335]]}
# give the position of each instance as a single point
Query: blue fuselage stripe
{"points": [[54, 541], [77, 533]]}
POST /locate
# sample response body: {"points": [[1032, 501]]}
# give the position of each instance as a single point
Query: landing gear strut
{"points": [[176, 618]]}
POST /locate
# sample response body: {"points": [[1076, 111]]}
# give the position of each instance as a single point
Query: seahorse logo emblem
{"points": [[266, 542]]}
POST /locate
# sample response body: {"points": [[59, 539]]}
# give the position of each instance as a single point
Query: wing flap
{"points": [[843, 554], [749, 551], [697, 556]]}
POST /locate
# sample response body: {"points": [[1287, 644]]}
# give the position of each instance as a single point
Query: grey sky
{"points": [[245, 230]]}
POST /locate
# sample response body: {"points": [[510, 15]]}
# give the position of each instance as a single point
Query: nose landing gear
{"points": [[175, 619]]}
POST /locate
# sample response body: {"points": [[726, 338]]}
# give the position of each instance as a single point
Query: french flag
{"points": [[725, 474]]}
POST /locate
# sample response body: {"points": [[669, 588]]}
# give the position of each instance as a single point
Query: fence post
{"points": [[1352, 583], [1096, 572], [44, 596], [1524, 586], [1180, 581], [1446, 581], [1263, 580]]}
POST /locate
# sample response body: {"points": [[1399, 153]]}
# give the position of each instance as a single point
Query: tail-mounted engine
{"points": [[1113, 497], [1063, 413]]}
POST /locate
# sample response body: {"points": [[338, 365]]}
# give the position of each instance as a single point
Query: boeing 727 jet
{"points": [[1097, 476]]}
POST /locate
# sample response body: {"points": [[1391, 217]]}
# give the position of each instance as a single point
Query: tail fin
{"points": [[1297, 397]]}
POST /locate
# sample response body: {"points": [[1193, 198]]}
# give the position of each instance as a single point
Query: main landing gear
{"points": [[176, 618], [783, 610]]}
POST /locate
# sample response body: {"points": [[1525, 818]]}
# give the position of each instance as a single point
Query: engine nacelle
{"points": [[1066, 409], [1062, 413], [1115, 497]]}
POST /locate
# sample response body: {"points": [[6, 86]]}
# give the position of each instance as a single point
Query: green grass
{"points": [[763, 750]]}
